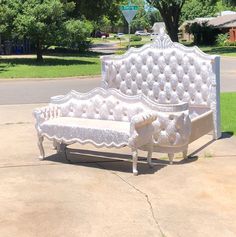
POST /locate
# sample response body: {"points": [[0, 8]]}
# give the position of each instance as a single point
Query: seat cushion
{"points": [[98, 132]]}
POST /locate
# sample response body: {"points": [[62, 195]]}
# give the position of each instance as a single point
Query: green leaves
{"points": [[44, 22]]}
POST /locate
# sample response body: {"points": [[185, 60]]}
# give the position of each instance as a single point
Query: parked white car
{"points": [[119, 35], [141, 33]]}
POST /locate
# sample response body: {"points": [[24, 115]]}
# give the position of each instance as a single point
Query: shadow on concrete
{"points": [[112, 161], [227, 134], [201, 148]]}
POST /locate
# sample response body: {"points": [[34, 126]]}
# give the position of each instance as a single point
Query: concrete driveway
{"points": [[98, 196]]}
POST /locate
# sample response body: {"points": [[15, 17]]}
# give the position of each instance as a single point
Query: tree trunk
{"points": [[170, 14], [39, 51]]}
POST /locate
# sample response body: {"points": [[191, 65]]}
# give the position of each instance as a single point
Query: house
{"points": [[183, 29], [226, 24]]}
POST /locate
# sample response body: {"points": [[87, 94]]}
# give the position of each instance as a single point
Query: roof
{"points": [[199, 20], [226, 21]]}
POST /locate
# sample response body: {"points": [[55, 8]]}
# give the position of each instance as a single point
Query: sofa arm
{"points": [[46, 113], [143, 119], [141, 129], [172, 129]]}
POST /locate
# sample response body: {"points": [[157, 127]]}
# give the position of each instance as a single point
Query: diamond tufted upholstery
{"points": [[167, 73], [165, 76], [110, 118], [102, 108]]}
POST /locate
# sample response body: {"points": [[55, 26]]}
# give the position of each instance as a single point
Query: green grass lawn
{"points": [[224, 51], [52, 66], [228, 112]]}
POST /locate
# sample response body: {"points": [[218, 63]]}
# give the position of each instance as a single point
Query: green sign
{"points": [[129, 8]]}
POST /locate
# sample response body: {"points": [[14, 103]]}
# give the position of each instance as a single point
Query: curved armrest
{"points": [[172, 129], [143, 119], [141, 129], [45, 113]]}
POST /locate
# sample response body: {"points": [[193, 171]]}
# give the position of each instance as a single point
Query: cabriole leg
{"points": [[149, 156], [40, 145], [55, 145], [135, 161], [63, 148], [185, 153], [171, 157]]}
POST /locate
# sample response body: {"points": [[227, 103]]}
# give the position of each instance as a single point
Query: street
{"points": [[39, 91]]}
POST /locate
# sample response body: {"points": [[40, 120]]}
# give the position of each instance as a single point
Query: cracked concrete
{"points": [[97, 196], [142, 193]]}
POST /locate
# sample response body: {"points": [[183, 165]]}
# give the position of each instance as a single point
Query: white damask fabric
{"points": [[100, 132]]}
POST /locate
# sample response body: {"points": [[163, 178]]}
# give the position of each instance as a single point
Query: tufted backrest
{"points": [[166, 72], [165, 76], [106, 105]]}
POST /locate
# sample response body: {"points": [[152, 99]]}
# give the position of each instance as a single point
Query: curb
{"points": [[49, 79]]}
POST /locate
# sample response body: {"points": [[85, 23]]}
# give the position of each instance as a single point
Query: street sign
{"points": [[126, 8], [129, 12]]}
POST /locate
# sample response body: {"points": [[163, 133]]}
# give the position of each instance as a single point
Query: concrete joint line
{"points": [[143, 194], [18, 123]]}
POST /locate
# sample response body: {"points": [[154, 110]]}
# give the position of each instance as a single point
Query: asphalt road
{"points": [[40, 91]]}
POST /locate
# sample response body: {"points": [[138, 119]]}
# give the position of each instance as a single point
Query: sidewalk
{"points": [[96, 196]]}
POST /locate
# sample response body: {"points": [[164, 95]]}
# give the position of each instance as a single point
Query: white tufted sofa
{"points": [[170, 73], [112, 119]]}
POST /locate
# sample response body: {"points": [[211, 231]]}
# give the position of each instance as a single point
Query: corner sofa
{"points": [[112, 119], [170, 73]]}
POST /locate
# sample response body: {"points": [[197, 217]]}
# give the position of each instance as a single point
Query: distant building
{"points": [[157, 26], [226, 23], [183, 29]]}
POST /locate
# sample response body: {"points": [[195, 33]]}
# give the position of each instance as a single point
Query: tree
{"points": [[230, 2], [95, 10], [41, 21], [196, 8], [75, 31], [141, 20], [170, 11], [44, 22]]}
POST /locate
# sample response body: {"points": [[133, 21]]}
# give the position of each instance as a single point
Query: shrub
{"points": [[135, 38], [222, 40], [76, 33], [204, 34]]}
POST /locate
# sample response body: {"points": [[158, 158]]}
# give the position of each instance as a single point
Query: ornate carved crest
{"points": [[162, 40]]}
